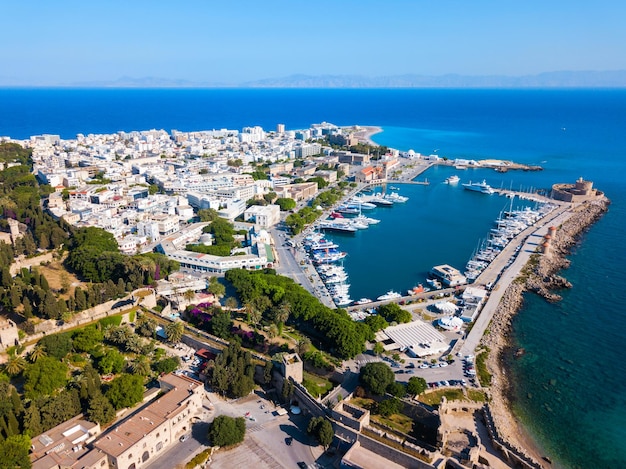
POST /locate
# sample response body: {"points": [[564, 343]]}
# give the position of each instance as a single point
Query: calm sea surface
{"points": [[570, 387]]}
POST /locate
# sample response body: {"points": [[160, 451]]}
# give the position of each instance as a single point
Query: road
{"points": [[528, 240]]}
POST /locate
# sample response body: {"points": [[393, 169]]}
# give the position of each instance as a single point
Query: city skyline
{"points": [[249, 42]]}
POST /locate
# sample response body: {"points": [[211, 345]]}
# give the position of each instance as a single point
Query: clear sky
{"points": [[65, 41]]}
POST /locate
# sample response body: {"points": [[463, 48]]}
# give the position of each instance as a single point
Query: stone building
{"points": [[8, 334], [580, 191]]}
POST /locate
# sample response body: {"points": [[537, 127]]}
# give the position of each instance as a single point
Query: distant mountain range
{"points": [[589, 79], [563, 79]]}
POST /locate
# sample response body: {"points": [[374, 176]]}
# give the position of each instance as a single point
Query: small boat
{"points": [[436, 284], [452, 179], [362, 301], [417, 290]]}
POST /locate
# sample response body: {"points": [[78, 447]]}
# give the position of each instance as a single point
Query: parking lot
{"points": [[272, 440]]}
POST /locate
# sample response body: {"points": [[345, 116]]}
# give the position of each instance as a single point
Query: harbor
{"points": [[372, 215]]}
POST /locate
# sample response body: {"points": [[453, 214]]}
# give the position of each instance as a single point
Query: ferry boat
{"points": [[481, 187], [452, 179], [390, 295]]}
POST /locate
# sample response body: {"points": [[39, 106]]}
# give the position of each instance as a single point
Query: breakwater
{"points": [[540, 276]]}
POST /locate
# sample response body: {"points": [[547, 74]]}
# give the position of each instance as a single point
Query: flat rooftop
{"points": [[414, 334], [357, 456]]}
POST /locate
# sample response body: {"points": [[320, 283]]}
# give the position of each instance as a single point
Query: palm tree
{"points": [[230, 303], [174, 331], [254, 314], [36, 354], [189, 295], [273, 331], [282, 312], [141, 366], [15, 365]]}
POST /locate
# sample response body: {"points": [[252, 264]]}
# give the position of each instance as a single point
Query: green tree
{"points": [[376, 376], [14, 452], [322, 430], [221, 324], [227, 431], [207, 215], [167, 365], [376, 322], [87, 338], [389, 407], [57, 345], [216, 288], [286, 204], [396, 389], [378, 348], [125, 391], [44, 377], [100, 410], [416, 385], [111, 362], [230, 303], [393, 313], [303, 345]]}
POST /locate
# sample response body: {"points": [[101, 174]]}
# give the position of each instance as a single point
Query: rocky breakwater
{"points": [[540, 276]]}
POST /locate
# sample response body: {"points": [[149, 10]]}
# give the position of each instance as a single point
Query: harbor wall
{"points": [[539, 276]]}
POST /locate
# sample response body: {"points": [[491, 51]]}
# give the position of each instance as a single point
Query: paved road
{"points": [[529, 240]]}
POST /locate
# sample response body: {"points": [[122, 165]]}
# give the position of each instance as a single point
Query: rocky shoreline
{"points": [[539, 276]]}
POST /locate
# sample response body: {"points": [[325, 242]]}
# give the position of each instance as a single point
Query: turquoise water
{"points": [[570, 390]]}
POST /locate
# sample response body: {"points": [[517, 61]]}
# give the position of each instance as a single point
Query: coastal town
{"points": [[274, 193]]}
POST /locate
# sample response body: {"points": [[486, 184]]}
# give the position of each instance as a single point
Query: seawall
{"points": [[540, 275]]}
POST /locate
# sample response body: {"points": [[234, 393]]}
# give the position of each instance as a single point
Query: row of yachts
{"points": [[349, 217], [507, 226], [325, 254]]}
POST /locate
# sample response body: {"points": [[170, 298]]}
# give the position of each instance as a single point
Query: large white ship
{"points": [[482, 187]]}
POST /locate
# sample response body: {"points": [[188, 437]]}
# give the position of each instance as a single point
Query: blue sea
{"points": [[570, 390]]}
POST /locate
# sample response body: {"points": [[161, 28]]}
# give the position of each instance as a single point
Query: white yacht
{"points": [[390, 295], [481, 187]]}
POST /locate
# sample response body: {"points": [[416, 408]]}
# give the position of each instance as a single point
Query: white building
{"points": [[263, 216]]}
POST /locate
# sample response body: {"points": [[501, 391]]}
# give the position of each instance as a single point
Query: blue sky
{"points": [[235, 41]]}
